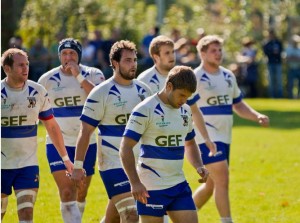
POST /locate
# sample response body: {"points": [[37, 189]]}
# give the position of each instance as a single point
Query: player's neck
{"points": [[211, 69], [121, 81], [14, 85], [162, 71]]}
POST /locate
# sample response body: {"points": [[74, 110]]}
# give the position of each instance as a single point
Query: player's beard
{"points": [[127, 75]]}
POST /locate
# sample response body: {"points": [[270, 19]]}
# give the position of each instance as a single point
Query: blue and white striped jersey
{"points": [[214, 96], [162, 131], [67, 98], [153, 79], [20, 114], [108, 107]]}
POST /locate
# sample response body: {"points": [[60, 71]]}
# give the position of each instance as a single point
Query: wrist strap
{"points": [[78, 164], [80, 78], [65, 158]]}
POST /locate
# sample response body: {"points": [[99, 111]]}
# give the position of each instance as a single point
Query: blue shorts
{"points": [[115, 182], [56, 163], [22, 178], [176, 198], [225, 148]]}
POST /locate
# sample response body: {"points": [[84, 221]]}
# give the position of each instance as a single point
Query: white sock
{"points": [[166, 219], [102, 220], [81, 206], [25, 221], [226, 220], [70, 212]]}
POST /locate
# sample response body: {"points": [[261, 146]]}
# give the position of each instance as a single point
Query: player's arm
{"points": [[83, 140], [200, 124], [55, 134], [194, 157], [138, 190], [245, 111]]}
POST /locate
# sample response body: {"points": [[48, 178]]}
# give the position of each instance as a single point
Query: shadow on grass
{"points": [[278, 119]]}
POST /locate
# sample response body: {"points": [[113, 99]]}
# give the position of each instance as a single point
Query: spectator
{"points": [[38, 56], [293, 66], [273, 49], [103, 54], [97, 42], [249, 67], [146, 60], [53, 58], [88, 52]]}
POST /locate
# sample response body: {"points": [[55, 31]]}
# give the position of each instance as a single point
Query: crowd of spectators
{"points": [[244, 65]]}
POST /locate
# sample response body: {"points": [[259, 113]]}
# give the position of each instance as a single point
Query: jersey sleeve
{"points": [[137, 123], [94, 107], [46, 111], [97, 76]]}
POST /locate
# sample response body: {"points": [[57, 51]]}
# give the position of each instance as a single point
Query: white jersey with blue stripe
{"points": [[153, 79], [20, 114], [108, 107], [67, 98], [214, 96], [162, 131]]}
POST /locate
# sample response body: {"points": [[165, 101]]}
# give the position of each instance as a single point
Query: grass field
{"points": [[264, 165]]}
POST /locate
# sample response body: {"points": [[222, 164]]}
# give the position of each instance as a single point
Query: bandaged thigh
{"points": [[26, 199], [127, 208]]}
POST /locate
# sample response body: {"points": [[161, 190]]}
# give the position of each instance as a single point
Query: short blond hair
{"points": [[157, 42], [204, 43]]}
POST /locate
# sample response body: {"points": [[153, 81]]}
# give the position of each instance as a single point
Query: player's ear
{"points": [[169, 86]]}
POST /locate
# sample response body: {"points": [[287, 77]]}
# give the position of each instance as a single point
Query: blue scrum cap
{"points": [[70, 43]]}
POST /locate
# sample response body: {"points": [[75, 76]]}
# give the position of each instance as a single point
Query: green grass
{"points": [[264, 171]]}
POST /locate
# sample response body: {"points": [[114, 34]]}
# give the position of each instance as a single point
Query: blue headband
{"points": [[70, 44]]}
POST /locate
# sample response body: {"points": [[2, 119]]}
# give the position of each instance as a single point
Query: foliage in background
{"points": [[231, 19]]}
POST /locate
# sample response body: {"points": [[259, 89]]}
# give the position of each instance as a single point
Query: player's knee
{"points": [[25, 199], [127, 209], [131, 215], [4, 203], [68, 194]]}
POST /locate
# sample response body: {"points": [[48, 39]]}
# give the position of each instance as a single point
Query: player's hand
{"points": [[73, 67], [211, 146], [263, 120], [69, 165], [203, 172], [139, 192], [78, 176]]}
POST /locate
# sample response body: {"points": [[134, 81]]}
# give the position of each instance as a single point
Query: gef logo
{"points": [[13, 120], [67, 101], [122, 119], [218, 100], [170, 140]]}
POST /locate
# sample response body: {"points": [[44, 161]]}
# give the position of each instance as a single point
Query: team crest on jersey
{"points": [[32, 102], [114, 91], [206, 80], [158, 110], [184, 116], [31, 98], [228, 79]]}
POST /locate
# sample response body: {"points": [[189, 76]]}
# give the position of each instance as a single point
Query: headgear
{"points": [[70, 43]]}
